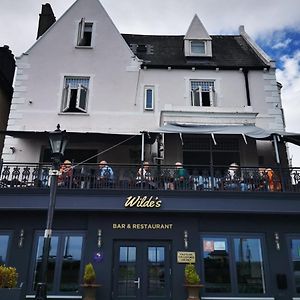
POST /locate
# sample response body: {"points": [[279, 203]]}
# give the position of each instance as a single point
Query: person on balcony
{"points": [[105, 176], [180, 177], [273, 182], [234, 180], [66, 174], [144, 177]]}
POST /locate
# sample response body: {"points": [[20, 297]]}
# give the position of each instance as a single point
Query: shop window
{"points": [[85, 30], [75, 94], [64, 263], [233, 265], [202, 93], [295, 253], [4, 240]]}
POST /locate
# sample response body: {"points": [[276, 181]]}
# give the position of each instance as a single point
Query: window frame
{"points": [[66, 96], [232, 267], [146, 88], [198, 53], [289, 239], [81, 26], [61, 234], [211, 92], [9, 233]]}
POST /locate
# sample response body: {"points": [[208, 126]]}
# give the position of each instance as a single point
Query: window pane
{"points": [[71, 263], [3, 248], [249, 266], [198, 47], [295, 250], [51, 262], [156, 272], [149, 98], [216, 265]]}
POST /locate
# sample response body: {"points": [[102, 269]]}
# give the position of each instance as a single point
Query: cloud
{"points": [[282, 45]]}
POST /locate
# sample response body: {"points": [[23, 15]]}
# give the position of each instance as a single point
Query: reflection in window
{"points": [[51, 262], [295, 250], [216, 265], [3, 248], [249, 266], [156, 272], [127, 272], [71, 263]]}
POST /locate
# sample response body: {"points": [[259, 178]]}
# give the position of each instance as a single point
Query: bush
{"points": [[8, 277], [191, 275], [89, 276]]}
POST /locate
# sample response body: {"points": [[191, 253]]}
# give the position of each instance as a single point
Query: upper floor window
{"points": [[197, 47], [85, 30], [149, 98], [202, 93], [75, 94]]}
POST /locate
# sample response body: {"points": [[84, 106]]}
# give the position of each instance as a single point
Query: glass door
{"points": [[141, 270]]}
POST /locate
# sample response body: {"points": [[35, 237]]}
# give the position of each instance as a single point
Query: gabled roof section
{"points": [[229, 52], [197, 31]]}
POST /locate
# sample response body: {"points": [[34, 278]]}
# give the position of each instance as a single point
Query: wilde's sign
{"points": [[143, 202]]}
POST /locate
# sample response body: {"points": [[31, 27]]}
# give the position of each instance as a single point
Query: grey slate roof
{"points": [[229, 52]]}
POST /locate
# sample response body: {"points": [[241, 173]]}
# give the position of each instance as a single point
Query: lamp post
{"points": [[58, 142]]}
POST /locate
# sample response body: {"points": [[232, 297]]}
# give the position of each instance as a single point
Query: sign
{"points": [[142, 226], [184, 257], [142, 202]]}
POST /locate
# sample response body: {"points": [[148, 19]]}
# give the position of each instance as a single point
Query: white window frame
{"points": [[145, 97], [66, 96], [199, 90], [81, 31], [197, 53]]}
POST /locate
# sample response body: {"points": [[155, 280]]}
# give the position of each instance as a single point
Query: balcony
{"points": [[190, 178]]}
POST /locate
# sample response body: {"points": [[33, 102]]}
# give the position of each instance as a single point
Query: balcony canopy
{"points": [[246, 130]]}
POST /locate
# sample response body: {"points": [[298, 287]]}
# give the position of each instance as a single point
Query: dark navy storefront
{"points": [[224, 230]]}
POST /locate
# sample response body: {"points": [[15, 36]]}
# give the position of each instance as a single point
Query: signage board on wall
{"points": [[184, 257]]}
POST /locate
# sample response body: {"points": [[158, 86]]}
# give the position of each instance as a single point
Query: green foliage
{"points": [[8, 277], [89, 276], [191, 275]]}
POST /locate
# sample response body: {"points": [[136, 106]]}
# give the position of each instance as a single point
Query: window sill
{"points": [[83, 47], [73, 114]]}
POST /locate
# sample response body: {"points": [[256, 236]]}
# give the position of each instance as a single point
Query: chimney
{"points": [[47, 18]]}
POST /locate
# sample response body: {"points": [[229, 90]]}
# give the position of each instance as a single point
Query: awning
{"points": [[247, 130]]}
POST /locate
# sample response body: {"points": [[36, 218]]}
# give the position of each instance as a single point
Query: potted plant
{"points": [[192, 282], [89, 282], [8, 283]]}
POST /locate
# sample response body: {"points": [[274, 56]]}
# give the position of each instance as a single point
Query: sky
{"points": [[273, 24]]}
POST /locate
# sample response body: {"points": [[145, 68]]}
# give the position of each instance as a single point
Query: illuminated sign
{"points": [[142, 226], [186, 257], [142, 202]]}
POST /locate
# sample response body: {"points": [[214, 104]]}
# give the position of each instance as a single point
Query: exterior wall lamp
{"points": [[277, 242], [21, 239], [185, 239], [58, 142], [99, 238]]}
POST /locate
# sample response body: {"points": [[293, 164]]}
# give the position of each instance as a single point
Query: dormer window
{"points": [[85, 30], [197, 47]]}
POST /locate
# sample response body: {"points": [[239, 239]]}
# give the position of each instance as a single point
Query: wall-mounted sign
{"points": [[142, 226], [143, 201], [185, 257]]}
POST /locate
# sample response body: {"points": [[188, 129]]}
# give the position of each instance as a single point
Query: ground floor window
{"points": [[64, 264], [294, 244], [4, 240], [233, 264]]}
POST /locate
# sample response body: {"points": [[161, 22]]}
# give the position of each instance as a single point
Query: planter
{"points": [[11, 293], [89, 291], [193, 291]]}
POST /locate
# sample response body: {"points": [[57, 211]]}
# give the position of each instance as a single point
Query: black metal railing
{"points": [[159, 177]]}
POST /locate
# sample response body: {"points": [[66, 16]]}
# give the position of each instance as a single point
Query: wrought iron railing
{"points": [[158, 177]]}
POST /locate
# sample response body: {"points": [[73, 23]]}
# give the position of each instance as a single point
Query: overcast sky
{"points": [[274, 24]]}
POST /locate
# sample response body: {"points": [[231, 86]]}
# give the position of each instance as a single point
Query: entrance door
{"points": [[141, 270]]}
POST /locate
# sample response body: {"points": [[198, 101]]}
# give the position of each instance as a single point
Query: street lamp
{"points": [[58, 142]]}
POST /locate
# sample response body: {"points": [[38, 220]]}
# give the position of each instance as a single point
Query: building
{"points": [[209, 102], [7, 70]]}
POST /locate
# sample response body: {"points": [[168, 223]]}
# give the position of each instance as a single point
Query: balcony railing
{"points": [[194, 178]]}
